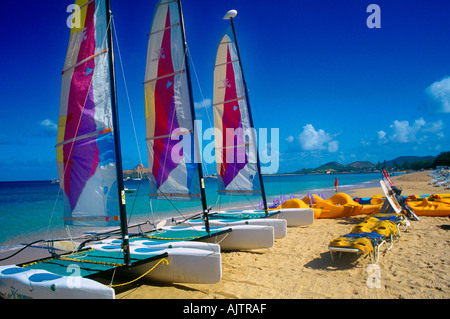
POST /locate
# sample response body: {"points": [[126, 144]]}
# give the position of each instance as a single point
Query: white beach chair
{"points": [[443, 182], [439, 179]]}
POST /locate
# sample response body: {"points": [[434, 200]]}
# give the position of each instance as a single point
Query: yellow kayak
{"points": [[431, 197], [437, 207], [339, 205], [424, 205], [297, 203]]}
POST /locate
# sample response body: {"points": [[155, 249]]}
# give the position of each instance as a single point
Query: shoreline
{"points": [[243, 203]]}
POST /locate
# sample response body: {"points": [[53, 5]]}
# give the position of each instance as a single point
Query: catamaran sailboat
{"points": [[238, 165], [170, 121]]}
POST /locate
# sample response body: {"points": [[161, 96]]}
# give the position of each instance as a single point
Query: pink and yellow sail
{"points": [[168, 110], [86, 158], [235, 140]]}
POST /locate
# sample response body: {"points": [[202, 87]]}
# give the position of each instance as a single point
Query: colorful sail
{"points": [[85, 146], [169, 119], [236, 145]]}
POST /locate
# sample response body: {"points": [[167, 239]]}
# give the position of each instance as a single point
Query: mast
{"points": [[191, 101], [230, 16], [117, 150]]}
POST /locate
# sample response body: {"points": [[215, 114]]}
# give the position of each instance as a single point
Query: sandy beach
{"points": [[300, 266]]}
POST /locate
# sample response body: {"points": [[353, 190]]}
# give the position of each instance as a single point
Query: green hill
{"points": [[399, 163]]}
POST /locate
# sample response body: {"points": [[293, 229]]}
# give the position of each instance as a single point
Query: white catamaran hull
{"points": [[185, 265], [242, 237], [22, 283], [279, 225], [297, 216], [293, 216]]}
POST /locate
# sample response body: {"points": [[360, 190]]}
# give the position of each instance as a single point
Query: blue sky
{"points": [[335, 89]]}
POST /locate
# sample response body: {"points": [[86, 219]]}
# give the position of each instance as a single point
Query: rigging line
{"points": [[52, 214], [134, 201], [178, 211], [106, 31], [215, 204], [151, 210], [166, 198], [21, 249], [70, 237], [201, 94], [131, 112], [126, 92], [136, 279]]}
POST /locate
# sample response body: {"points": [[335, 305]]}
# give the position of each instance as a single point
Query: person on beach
{"points": [[336, 184]]}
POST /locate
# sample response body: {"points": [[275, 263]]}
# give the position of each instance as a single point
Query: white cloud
{"points": [[434, 127], [438, 95], [403, 132], [205, 103], [49, 126], [312, 140], [333, 146], [382, 139], [289, 139]]}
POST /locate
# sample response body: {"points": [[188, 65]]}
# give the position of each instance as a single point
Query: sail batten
{"points": [[165, 29], [164, 76], [161, 3], [172, 135], [229, 101], [99, 132], [84, 61], [225, 63]]}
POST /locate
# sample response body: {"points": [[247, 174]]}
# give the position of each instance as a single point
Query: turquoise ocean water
{"points": [[33, 210]]}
